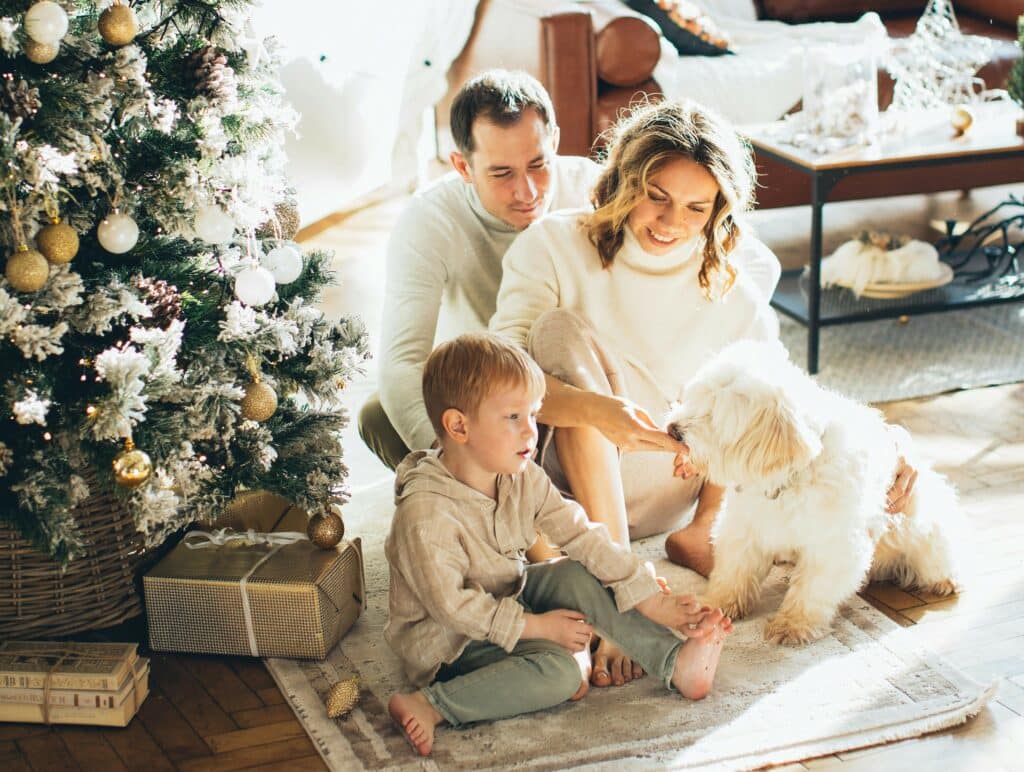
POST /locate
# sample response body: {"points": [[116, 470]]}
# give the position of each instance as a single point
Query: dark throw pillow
{"points": [[685, 26]]}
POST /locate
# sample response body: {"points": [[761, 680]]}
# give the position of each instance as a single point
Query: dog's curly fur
{"points": [[806, 473]]}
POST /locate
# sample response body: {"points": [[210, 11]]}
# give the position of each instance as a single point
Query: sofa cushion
{"points": [[816, 10], [685, 26], [627, 45]]}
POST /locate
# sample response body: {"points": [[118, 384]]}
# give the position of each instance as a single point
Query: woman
{"points": [[620, 306]]}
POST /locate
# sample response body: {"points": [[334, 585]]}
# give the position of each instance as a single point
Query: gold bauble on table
{"points": [[117, 25], [259, 402], [342, 697], [325, 531], [132, 467], [58, 242], [962, 119], [40, 53], [27, 270]]}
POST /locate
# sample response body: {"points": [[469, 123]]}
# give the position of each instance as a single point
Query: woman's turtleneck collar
{"points": [[637, 258]]}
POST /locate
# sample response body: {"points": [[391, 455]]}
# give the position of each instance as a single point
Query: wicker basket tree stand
{"points": [[97, 590]]}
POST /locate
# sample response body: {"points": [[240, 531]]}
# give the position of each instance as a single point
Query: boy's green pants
{"points": [[486, 682]]}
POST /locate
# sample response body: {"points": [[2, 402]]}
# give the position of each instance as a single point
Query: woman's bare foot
{"points": [[690, 547], [583, 659], [416, 717], [612, 666], [698, 657]]}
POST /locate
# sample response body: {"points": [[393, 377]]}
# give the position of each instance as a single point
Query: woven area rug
{"points": [[863, 685], [933, 353]]}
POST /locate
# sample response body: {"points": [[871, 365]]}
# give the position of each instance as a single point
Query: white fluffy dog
{"points": [[806, 473]]}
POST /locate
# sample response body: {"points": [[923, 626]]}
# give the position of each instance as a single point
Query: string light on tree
{"points": [[46, 22], [117, 233], [213, 225], [27, 270], [284, 262], [117, 25], [132, 467]]}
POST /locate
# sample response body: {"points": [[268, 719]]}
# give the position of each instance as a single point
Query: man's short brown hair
{"points": [[500, 96], [463, 372]]}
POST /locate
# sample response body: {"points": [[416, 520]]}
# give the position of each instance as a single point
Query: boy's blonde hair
{"points": [[463, 372]]}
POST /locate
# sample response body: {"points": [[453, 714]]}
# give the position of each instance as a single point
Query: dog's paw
{"points": [[941, 587], [789, 631]]}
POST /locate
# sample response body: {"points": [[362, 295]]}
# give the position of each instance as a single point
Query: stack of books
{"points": [[71, 683]]}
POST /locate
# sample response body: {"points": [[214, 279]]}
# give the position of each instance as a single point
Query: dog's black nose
{"points": [[675, 432]]}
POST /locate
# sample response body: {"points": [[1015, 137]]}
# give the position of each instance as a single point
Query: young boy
{"points": [[483, 634]]}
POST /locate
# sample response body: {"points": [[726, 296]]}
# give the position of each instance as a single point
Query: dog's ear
{"points": [[780, 438]]}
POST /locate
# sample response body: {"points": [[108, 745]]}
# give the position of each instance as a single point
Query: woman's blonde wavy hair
{"points": [[640, 144]]}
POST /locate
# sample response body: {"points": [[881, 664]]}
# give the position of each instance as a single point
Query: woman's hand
{"points": [[629, 427], [567, 628], [677, 612], [899, 494], [682, 466]]}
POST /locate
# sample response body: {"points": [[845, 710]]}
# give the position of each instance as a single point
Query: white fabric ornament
{"points": [[284, 262], [213, 225], [254, 286], [117, 233], [46, 22]]}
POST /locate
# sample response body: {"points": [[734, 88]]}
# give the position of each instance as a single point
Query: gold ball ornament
{"points": [[40, 53], [132, 467], [117, 25], [342, 698], [58, 242], [27, 270], [962, 119], [325, 531], [259, 402]]}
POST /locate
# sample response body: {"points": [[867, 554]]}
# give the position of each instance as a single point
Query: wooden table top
{"points": [[919, 136]]}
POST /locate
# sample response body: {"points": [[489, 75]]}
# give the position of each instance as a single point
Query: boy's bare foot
{"points": [[584, 661], [612, 666], [690, 547], [698, 657], [416, 717]]}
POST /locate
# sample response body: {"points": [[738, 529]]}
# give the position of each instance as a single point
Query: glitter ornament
{"points": [[117, 233], [254, 286], [342, 698], [325, 531], [46, 22], [962, 119], [58, 242], [132, 467], [27, 270], [284, 262], [213, 225], [259, 402], [40, 53], [117, 25], [284, 224]]}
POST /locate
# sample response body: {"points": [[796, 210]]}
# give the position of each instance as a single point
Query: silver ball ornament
{"points": [[117, 233], [46, 22], [213, 225], [284, 262], [255, 286]]}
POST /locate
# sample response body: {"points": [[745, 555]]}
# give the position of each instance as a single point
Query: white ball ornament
{"points": [[213, 225], [117, 233], [284, 262], [254, 286], [46, 22]]}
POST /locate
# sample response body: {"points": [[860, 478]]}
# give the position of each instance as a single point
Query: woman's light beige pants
{"points": [[566, 346]]}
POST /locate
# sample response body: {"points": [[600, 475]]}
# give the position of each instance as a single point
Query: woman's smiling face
{"points": [[679, 201]]}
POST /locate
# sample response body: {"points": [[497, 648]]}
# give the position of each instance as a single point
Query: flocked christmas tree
{"points": [[151, 293]]}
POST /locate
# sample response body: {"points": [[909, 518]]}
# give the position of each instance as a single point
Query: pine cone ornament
{"points": [[17, 97], [213, 78], [162, 298]]}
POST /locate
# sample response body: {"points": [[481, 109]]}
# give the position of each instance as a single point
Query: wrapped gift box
{"points": [[254, 594]]}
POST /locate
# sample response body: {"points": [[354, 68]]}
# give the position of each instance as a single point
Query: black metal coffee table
{"points": [[802, 298]]}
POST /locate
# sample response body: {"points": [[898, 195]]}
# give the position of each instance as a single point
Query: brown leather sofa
{"points": [[596, 57]]}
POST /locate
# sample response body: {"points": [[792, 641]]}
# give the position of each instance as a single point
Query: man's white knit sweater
{"points": [[443, 272]]}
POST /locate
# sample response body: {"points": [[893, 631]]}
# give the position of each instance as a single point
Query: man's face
{"points": [[510, 167]]}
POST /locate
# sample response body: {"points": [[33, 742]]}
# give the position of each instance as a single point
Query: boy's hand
{"points": [[563, 626], [677, 612]]}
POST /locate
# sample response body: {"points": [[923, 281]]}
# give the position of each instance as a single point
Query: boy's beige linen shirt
{"points": [[458, 560]]}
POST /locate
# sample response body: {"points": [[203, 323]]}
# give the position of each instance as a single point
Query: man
{"points": [[444, 256]]}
